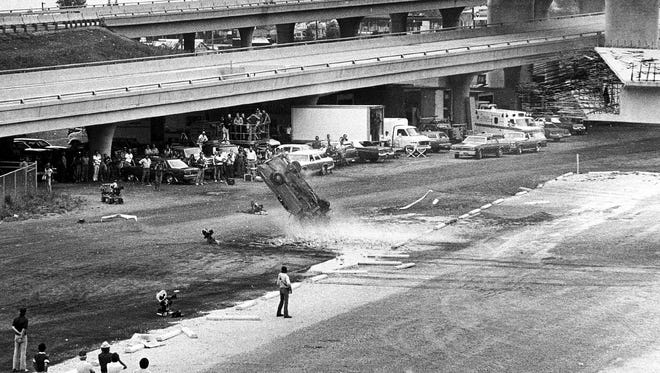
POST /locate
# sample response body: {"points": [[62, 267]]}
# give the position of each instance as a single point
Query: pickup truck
{"points": [[478, 146], [518, 142]]}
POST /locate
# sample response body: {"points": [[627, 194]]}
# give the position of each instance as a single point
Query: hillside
{"points": [[19, 51]]}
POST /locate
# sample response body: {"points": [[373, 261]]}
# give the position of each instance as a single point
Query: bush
{"points": [[39, 204]]}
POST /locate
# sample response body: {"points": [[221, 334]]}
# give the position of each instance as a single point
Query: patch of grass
{"points": [[92, 44], [36, 205]]}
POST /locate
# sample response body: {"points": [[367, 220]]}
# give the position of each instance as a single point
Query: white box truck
{"points": [[358, 122]]}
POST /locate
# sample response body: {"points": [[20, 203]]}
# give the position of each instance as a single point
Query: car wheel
{"points": [[169, 179], [120, 200], [479, 154], [456, 155], [277, 178], [520, 150], [294, 166], [103, 199], [498, 153], [537, 148]]}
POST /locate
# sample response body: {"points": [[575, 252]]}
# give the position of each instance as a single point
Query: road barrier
{"points": [[16, 181]]}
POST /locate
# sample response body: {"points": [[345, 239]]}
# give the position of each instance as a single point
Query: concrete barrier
{"points": [[318, 278], [189, 332], [379, 262], [171, 334]]}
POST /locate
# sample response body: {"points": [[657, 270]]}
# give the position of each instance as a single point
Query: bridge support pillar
{"points": [[591, 6], [399, 22], [510, 11], [189, 42], [542, 8], [512, 77], [349, 27], [285, 33], [631, 24], [460, 96], [100, 137], [246, 34], [451, 17]]}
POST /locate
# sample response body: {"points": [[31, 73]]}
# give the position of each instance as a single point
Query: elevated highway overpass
{"points": [[156, 18], [48, 99]]}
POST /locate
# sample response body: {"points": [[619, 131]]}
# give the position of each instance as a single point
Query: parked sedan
{"points": [[174, 171], [439, 140], [518, 142], [311, 161], [478, 146]]}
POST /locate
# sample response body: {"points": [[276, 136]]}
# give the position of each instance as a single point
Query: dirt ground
{"points": [[85, 282]]}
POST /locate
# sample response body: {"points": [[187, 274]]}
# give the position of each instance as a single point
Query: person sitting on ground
{"points": [[256, 208], [208, 235], [164, 303]]}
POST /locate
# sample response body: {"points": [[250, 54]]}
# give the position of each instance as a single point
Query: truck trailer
{"points": [[358, 122]]}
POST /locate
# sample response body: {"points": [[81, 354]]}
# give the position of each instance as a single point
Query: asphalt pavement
{"points": [[563, 277]]}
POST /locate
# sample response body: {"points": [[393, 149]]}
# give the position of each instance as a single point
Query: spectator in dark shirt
{"points": [[19, 326], [40, 360]]}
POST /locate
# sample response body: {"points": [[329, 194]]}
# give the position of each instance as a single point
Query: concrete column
{"points": [[349, 27], [189, 42], [591, 6], [285, 33], [399, 22], [460, 96], [510, 11], [451, 17], [246, 34], [542, 8], [631, 24], [512, 77], [100, 137]]}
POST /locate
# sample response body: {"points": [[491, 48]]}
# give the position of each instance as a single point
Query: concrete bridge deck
{"points": [[121, 92], [163, 18]]}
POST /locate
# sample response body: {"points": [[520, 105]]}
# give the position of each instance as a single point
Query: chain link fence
{"points": [[17, 181]]}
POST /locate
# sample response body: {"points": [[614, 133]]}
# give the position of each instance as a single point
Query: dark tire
{"points": [[498, 153], [111, 201], [479, 154], [519, 150], [169, 179], [456, 155], [277, 178], [120, 201]]}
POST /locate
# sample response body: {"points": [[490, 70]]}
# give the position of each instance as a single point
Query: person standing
{"points": [[96, 162], [40, 361], [85, 167], [19, 326], [105, 357], [284, 283], [83, 365], [48, 175], [202, 139], [115, 365], [251, 157], [158, 174], [200, 163], [145, 162]]}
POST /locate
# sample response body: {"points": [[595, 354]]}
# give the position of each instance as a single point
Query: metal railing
{"points": [[645, 72], [285, 70], [296, 44], [18, 181]]}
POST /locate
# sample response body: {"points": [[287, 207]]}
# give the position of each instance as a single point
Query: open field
{"points": [[88, 282]]}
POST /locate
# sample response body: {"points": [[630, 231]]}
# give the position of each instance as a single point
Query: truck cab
{"points": [[404, 136]]}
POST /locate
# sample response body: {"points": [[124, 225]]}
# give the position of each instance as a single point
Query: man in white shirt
{"points": [[284, 283], [146, 169], [202, 139], [96, 161]]}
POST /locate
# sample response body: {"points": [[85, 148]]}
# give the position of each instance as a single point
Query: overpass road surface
{"points": [[115, 92]]}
